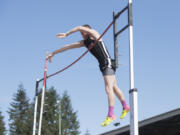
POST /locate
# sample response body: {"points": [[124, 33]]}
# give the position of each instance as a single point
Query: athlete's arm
{"points": [[65, 48], [92, 32]]}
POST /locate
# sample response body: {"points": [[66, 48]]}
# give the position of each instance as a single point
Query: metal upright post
{"points": [[59, 111], [133, 91], [43, 95], [35, 106], [41, 111], [115, 39]]}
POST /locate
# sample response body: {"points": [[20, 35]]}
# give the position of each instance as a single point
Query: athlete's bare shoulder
{"points": [[96, 34]]}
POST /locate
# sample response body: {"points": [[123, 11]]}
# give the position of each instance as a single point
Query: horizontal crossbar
{"points": [[120, 12], [120, 31]]}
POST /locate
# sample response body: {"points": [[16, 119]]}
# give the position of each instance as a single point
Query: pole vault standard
{"points": [[43, 95], [35, 107], [132, 91]]}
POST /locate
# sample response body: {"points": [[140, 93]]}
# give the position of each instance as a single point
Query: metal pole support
{"points": [[115, 40], [43, 95], [59, 111], [35, 106], [133, 91]]}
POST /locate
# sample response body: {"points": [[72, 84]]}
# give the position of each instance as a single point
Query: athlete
{"points": [[100, 52]]}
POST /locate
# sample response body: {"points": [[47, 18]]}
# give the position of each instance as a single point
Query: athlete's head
{"points": [[87, 25], [84, 34]]}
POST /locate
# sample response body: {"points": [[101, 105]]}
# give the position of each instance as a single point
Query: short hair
{"points": [[87, 25]]}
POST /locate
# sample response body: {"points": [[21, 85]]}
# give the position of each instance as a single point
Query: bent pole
{"points": [[133, 91], [43, 95]]}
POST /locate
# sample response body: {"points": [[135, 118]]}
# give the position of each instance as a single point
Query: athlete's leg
{"points": [[118, 92], [120, 96], [109, 81]]}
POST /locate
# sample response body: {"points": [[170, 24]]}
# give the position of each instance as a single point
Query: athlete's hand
{"points": [[61, 35], [50, 56]]}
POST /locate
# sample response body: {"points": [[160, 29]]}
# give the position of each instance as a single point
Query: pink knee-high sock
{"points": [[111, 111], [124, 104]]}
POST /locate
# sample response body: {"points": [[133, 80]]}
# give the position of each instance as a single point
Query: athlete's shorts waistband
{"points": [[107, 71]]}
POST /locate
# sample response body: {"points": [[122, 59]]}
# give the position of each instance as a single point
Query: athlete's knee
{"points": [[109, 89], [115, 86]]}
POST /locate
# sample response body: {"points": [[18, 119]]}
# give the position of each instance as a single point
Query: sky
{"points": [[28, 30]]}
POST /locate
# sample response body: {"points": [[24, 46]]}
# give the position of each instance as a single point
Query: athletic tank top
{"points": [[100, 52]]}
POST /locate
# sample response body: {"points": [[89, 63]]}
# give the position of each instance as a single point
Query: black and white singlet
{"points": [[100, 52]]}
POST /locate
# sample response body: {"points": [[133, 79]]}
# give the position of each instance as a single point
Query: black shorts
{"points": [[107, 71]]}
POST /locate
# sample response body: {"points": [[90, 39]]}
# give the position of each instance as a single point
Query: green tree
{"points": [[2, 125], [70, 124], [50, 122], [20, 114], [50, 117]]}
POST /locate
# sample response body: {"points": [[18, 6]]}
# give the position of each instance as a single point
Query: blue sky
{"points": [[28, 29]]}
